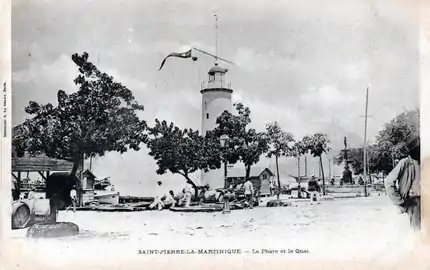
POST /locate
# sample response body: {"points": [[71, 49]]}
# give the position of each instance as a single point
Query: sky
{"points": [[305, 64]]}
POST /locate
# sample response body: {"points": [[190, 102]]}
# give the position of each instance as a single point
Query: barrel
{"points": [[21, 215]]}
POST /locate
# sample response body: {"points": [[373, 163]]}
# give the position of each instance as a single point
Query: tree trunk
{"points": [[76, 163], [299, 188], [279, 180], [196, 192], [248, 171], [322, 173], [306, 166]]}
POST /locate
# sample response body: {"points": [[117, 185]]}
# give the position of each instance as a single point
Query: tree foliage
{"points": [[245, 144], [182, 151], [279, 140], [392, 139], [99, 117], [298, 149], [378, 161], [317, 144]]}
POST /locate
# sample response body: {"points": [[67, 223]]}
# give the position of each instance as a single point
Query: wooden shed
{"points": [[40, 164], [260, 177]]}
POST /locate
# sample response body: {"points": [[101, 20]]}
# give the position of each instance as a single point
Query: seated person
{"points": [[188, 192], [170, 198], [158, 203], [202, 194]]}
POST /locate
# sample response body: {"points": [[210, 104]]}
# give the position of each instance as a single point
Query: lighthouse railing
{"points": [[214, 84]]}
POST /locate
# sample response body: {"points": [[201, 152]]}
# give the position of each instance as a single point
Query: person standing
{"points": [[249, 192], [403, 184], [188, 190], [271, 187], [73, 198], [313, 188], [15, 191]]}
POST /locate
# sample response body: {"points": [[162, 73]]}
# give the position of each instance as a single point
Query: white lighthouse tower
{"points": [[216, 98]]}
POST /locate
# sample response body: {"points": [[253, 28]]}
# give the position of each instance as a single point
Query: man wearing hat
{"points": [[403, 183]]}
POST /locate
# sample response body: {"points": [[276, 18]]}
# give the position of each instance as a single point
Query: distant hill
{"points": [[336, 135]]}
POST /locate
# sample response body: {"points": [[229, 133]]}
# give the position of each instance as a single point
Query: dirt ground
{"points": [[340, 229]]}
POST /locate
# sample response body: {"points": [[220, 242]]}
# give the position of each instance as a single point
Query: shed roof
{"points": [[89, 173], [255, 172], [40, 163]]}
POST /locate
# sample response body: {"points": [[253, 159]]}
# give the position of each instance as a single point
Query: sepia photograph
{"points": [[254, 131]]}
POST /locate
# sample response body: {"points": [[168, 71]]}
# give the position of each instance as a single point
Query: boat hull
{"points": [[345, 189], [107, 198]]}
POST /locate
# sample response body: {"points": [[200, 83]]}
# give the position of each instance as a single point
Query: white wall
{"points": [[214, 103]]}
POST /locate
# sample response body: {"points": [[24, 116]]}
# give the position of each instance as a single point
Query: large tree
{"points": [[279, 142], [317, 145], [245, 144], [182, 151], [100, 116], [391, 140]]}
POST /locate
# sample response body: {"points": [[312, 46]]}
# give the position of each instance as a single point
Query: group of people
{"points": [[161, 198], [402, 186], [248, 191]]}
